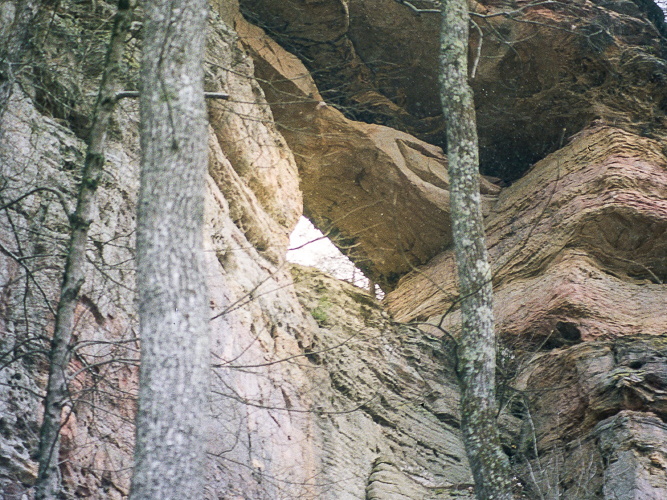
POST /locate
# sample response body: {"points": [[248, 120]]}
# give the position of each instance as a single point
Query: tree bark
{"points": [[173, 388], [48, 484], [477, 345]]}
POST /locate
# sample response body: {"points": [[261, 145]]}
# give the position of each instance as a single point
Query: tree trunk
{"points": [[48, 481], [477, 345], [173, 312]]}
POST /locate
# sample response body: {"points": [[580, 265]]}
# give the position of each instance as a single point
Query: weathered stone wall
{"points": [[319, 391], [577, 242], [391, 427], [282, 424], [39, 152]]}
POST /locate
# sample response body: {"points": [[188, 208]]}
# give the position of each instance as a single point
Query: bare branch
{"points": [[135, 95]]}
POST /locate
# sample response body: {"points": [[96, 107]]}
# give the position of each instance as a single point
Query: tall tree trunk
{"points": [[173, 387], [477, 347], [48, 480]]}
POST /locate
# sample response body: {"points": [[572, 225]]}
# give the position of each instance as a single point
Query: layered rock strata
{"points": [[542, 71], [318, 391]]}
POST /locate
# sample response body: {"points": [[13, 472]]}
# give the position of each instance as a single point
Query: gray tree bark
{"points": [[48, 484], [173, 312], [477, 345]]}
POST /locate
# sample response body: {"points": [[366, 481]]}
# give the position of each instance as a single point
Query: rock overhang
{"points": [[542, 72]]}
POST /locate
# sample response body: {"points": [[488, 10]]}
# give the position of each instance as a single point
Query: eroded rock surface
{"points": [[593, 420], [39, 152], [543, 71], [581, 239], [380, 194], [578, 256], [247, 236], [396, 404], [317, 392]]}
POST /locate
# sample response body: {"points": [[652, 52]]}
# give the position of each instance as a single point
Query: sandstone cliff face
{"points": [[318, 390], [542, 70]]}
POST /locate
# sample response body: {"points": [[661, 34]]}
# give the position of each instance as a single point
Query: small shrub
{"points": [[321, 312]]}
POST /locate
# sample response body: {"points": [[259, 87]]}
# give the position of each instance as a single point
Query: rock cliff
{"points": [[319, 391]]}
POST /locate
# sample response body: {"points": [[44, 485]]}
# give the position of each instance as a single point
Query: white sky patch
{"points": [[309, 247]]}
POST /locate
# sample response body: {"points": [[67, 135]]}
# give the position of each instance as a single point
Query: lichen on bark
{"points": [[477, 351]]}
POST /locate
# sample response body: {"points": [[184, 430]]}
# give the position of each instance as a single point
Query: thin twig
{"points": [[135, 94]]}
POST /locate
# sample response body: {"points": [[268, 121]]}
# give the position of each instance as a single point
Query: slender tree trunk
{"points": [[48, 480], [477, 347], [173, 388]]}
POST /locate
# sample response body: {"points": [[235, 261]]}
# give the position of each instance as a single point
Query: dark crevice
{"points": [[378, 419], [439, 453], [565, 333], [569, 331], [448, 419]]}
